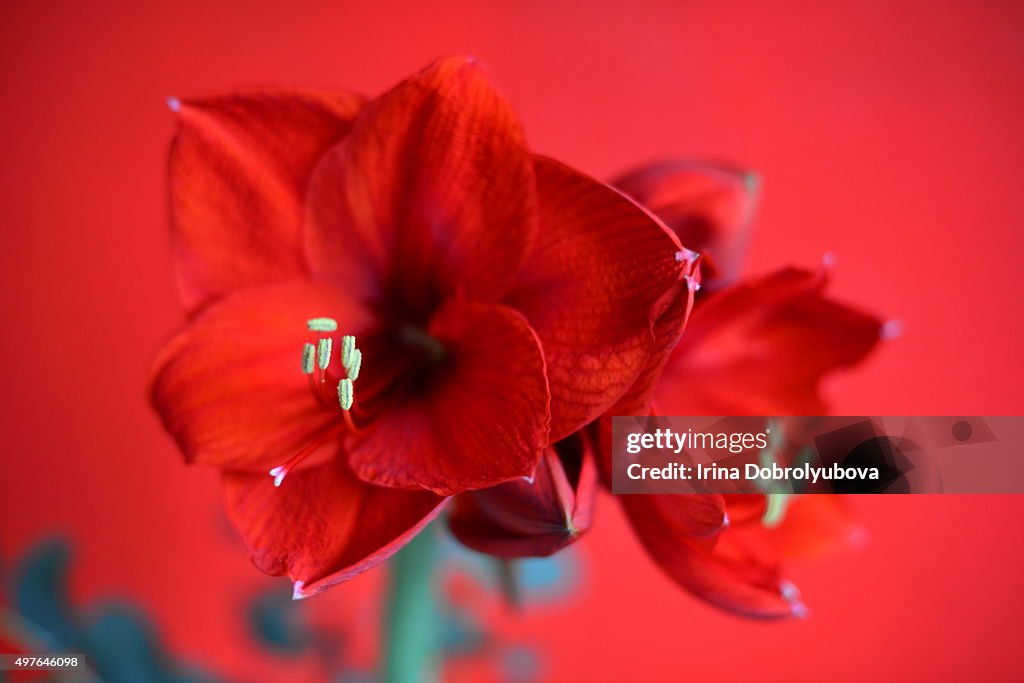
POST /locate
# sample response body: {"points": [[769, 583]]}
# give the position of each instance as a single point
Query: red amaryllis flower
{"points": [[468, 305], [759, 347]]}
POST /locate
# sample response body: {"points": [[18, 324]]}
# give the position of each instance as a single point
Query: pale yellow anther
{"points": [[348, 345], [323, 353], [308, 357], [355, 361], [322, 324], [775, 509], [345, 393]]}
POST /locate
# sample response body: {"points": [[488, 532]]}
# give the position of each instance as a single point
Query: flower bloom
{"points": [[755, 347], [392, 302]]}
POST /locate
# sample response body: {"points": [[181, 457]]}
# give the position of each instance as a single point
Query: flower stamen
{"points": [[316, 363], [308, 358], [323, 352], [353, 364], [775, 509], [345, 393], [348, 346], [322, 324]]}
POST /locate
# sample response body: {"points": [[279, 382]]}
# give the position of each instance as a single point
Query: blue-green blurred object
{"points": [[275, 620], [538, 579], [119, 642], [520, 664], [461, 633], [39, 595], [125, 648], [546, 579]]}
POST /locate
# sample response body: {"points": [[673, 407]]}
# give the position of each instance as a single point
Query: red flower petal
{"points": [[535, 518], [432, 191], [598, 275], [717, 568], [238, 170], [637, 400], [323, 525], [709, 207], [478, 418], [667, 332], [812, 525], [230, 388], [741, 570], [673, 517], [762, 347]]}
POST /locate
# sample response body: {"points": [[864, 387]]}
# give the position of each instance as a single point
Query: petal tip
{"points": [[891, 330], [687, 257], [473, 62], [789, 591], [792, 595], [859, 537], [467, 63]]}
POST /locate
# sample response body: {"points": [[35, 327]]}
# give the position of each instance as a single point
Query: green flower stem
{"points": [[410, 631], [508, 580]]}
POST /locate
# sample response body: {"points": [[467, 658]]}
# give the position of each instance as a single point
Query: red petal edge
{"points": [[238, 170], [717, 567], [600, 273], [762, 348], [323, 525]]}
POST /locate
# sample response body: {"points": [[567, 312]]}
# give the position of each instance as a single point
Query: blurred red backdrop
{"points": [[888, 133]]}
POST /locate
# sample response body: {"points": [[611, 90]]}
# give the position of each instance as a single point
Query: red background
{"points": [[887, 132]]}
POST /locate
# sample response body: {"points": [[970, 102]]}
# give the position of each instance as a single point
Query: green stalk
{"points": [[410, 629]]}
